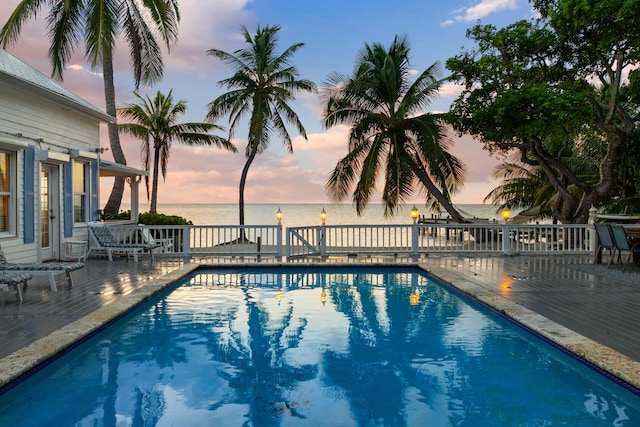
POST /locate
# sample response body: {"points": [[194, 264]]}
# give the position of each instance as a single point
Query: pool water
{"points": [[316, 347]]}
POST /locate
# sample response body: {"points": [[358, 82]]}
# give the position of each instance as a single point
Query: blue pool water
{"points": [[316, 347]]}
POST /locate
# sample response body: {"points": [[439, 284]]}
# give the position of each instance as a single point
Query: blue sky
{"points": [[333, 33]]}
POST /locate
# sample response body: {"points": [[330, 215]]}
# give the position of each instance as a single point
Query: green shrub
{"points": [[119, 216], [149, 218]]}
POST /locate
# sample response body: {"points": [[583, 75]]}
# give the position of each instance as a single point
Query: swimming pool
{"points": [[315, 346]]}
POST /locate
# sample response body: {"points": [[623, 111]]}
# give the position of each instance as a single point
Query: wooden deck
{"points": [[566, 289]]}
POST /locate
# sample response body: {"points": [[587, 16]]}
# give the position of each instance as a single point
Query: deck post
{"points": [[279, 243], [322, 242], [506, 240], [186, 242], [415, 231]]}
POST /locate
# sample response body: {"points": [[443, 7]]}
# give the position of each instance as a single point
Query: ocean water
{"points": [[301, 215]]}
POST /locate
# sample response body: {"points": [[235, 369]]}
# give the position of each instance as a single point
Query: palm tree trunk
{"points": [[435, 191], [115, 199], [154, 184], [243, 181]]}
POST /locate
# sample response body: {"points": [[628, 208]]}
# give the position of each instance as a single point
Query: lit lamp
{"points": [[414, 214], [279, 216], [323, 216], [506, 214]]}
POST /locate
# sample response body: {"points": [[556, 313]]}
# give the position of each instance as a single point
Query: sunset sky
{"points": [[333, 33]]}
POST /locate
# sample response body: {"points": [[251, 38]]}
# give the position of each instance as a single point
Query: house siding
{"points": [[44, 125]]}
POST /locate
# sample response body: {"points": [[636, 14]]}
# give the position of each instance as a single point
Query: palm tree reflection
{"points": [[259, 374]]}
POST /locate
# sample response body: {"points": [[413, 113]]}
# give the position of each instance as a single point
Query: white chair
{"points": [[166, 245]]}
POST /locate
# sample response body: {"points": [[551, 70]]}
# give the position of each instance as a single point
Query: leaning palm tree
{"points": [[261, 87], [390, 132], [155, 121], [99, 23]]}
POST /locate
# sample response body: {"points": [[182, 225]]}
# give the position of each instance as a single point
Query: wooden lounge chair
{"points": [[103, 240], [15, 279], [49, 269], [621, 242], [605, 241]]}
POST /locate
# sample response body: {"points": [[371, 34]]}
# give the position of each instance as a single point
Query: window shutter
{"points": [[67, 198], [28, 215], [94, 208]]}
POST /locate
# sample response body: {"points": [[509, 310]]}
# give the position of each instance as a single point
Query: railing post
{"points": [[506, 240], [279, 243], [186, 243], [322, 242], [415, 230]]}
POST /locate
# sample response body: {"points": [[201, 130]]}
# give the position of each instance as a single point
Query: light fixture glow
{"points": [[414, 214]]}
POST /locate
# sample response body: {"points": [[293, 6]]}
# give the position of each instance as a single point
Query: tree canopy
{"points": [[553, 88]]}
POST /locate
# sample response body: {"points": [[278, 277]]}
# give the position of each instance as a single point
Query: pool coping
{"points": [[21, 363]]}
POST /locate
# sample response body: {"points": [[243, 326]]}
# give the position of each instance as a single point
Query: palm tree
{"points": [[390, 134], [155, 120], [261, 87], [522, 186], [99, 23]]}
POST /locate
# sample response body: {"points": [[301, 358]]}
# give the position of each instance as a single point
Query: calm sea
{"points": [[298, 215]]}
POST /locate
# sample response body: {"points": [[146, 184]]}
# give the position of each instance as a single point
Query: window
{"points": [[80, 193], [7, 196]]}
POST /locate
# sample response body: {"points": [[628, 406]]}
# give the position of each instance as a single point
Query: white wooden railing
{"points": [[207, 240], [321, 242]]}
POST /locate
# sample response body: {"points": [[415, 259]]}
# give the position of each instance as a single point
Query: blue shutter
{"points": [[28, 215], [67, 198], [94, 208]]}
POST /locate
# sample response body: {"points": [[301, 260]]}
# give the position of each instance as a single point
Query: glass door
{"points": [[49, 215]]}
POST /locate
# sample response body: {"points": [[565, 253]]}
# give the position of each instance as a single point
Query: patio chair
{"points": [[605, 241], [622, 243], [49, 269], [15, 279], [102, 239]]}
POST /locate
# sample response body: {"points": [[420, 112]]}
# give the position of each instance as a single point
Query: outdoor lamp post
{"points": [[506, 214], [414, 214], [279, 216], [323, 216]]}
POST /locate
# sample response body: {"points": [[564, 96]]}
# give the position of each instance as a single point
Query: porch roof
{"points": [[115, 169]]}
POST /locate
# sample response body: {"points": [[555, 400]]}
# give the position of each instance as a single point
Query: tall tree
{"points": [[155, 121], [263, 84], [390, 132], [99, 23], [543, 87]]}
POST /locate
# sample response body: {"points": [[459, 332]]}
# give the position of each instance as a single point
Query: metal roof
{"points": [[116, 169], [20, 74]]}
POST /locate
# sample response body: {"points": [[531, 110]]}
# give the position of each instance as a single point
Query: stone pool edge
{"points": [[603, 357], [19, 363]]}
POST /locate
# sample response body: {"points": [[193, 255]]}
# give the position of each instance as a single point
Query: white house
{"points": [[49, 164]]}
